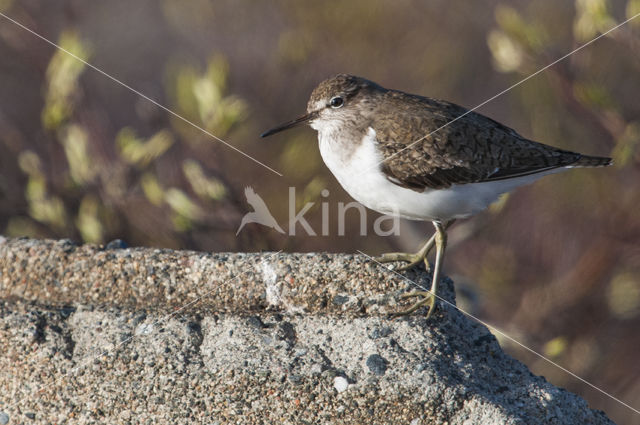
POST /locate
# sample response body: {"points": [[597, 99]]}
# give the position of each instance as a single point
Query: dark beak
{"points": [[300, 120]]}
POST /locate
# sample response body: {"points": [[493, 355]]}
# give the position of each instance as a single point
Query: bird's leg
{"points": [[429, 297], [412, 259]]}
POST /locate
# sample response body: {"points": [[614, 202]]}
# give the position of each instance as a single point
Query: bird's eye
{"points": [[336, 102]]}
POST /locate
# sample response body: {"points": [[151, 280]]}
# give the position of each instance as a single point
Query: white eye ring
{"points": [[336, 102]]}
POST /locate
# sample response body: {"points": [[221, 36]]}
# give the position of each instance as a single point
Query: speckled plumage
{"points": [[421, 151]]}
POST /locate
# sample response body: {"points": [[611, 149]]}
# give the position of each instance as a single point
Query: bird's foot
{"points": [[412, 259], [426, 298]]}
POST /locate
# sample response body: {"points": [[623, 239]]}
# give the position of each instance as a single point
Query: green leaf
{"points": [[88, 220], [180, 202], [592, 18], [142, 152], [63, 73], [203, 186], [81, 166]]}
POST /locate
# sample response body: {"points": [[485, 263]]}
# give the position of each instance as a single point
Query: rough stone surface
{"points": [[91, 335]]}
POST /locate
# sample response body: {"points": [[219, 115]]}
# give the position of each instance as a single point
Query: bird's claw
{"points": [[426, 298], [413, 260]]}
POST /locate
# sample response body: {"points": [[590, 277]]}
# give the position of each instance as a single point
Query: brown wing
{"points": [[472, 149]]}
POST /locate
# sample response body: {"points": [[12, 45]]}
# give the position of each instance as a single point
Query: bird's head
{"points": [[336, 100]]}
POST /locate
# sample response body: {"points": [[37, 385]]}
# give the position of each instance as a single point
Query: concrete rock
{"points": [[93, 335]]}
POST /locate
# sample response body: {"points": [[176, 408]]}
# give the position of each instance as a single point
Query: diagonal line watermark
{"points": [[159, 105], [493, 328], [508, 89], [89, 358]]}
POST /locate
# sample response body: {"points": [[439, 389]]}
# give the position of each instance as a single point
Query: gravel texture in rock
{"points": [[92, 335]]}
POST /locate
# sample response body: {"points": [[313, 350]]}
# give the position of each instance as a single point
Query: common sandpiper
{"points": [[422, 159]]}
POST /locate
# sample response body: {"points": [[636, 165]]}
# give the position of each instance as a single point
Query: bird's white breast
{"points": [[358, 171]]}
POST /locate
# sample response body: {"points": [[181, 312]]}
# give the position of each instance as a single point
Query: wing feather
{"points": [[472, 149]]}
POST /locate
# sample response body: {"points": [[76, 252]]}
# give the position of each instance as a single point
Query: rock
{"points": [[340, 383], [377, 364], [116, 244], [147, 335]]}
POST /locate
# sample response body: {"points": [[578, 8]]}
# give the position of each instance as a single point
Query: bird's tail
{"points": [[592, 161]]}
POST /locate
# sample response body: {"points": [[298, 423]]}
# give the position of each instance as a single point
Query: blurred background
{"points": [[556, 265]]}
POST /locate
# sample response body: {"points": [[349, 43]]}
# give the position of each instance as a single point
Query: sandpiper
{"points": [[421, 158]]}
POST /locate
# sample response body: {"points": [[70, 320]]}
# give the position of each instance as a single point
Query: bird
{"points": [[421, 158], [260, 213]]}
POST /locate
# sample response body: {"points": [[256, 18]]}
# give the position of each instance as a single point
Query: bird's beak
{"points": [[300, 120]]}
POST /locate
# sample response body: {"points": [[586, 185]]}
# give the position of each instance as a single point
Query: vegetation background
{"points": [[556, 265]]}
